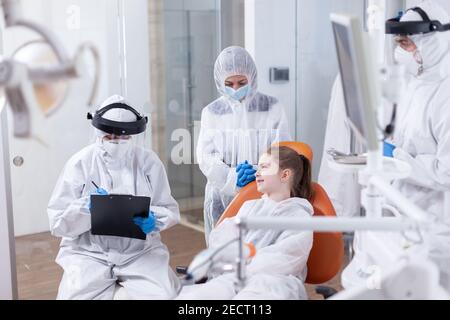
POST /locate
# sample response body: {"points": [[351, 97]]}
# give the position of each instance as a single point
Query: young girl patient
{"points": [[278, 269]]}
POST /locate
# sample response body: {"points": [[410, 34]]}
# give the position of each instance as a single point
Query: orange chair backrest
{"points": [[327, 253]]}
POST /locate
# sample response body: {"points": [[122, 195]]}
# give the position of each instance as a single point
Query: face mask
{"points": [[117, 148], [238, 94], [411, 61]]}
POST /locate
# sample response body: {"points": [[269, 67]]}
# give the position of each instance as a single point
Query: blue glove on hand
{"points": [[98, 191], [101, 192], [246, 174], [388, 149], [148, 224]]}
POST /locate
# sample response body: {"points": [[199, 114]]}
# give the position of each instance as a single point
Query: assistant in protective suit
{"points": [[235, 130], [116, 163], [422, 132]]}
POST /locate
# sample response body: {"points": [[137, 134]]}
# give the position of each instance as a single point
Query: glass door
{"points": [[185, 37]]}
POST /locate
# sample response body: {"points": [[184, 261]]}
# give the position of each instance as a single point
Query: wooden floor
{"points": [[39, 276]]}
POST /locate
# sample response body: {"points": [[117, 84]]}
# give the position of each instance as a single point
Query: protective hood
{"points": [[433, 46], [234, 61]]}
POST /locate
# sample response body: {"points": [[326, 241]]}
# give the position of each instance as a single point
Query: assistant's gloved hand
{"points": [[388, 149], [246, 174], [148, 224], [98, 191]]}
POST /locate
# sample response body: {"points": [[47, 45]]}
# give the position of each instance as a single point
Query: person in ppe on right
{"points": [[422, 130], [277, 270], [235, 130]]}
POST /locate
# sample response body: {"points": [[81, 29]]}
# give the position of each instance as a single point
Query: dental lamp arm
{"points": [[325, 224], [13, 17], [18, 78]]}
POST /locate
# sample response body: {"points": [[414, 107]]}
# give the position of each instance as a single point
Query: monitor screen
{"points": [[351, 84]]}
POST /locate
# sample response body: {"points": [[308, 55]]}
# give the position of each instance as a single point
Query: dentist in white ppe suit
{"points": [[422, 132], [117, 164], [235, 130]]}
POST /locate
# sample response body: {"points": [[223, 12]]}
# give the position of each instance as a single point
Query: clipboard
{"points": [[112, 215]]}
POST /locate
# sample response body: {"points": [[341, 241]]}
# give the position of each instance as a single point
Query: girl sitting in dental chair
{"points": [[278, 269]]}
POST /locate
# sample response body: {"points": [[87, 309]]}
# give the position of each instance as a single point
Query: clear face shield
{"points": [[119, 129], [137, 140], [407, 52]]}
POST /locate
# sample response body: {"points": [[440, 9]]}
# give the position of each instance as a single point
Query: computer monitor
{"points": [[358, 78]]}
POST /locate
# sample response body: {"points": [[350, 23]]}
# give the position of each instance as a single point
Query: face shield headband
{"points": [[397, 27], [116, 127]]}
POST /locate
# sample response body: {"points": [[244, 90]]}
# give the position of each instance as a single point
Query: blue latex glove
{"points": [[388, 149], [98, 191], [246, 174], [101, 192], [243, 165], [148, 224]]}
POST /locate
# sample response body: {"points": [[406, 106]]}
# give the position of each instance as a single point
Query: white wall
{"points": [[445, 4], [58, 137], [270, 37]]}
